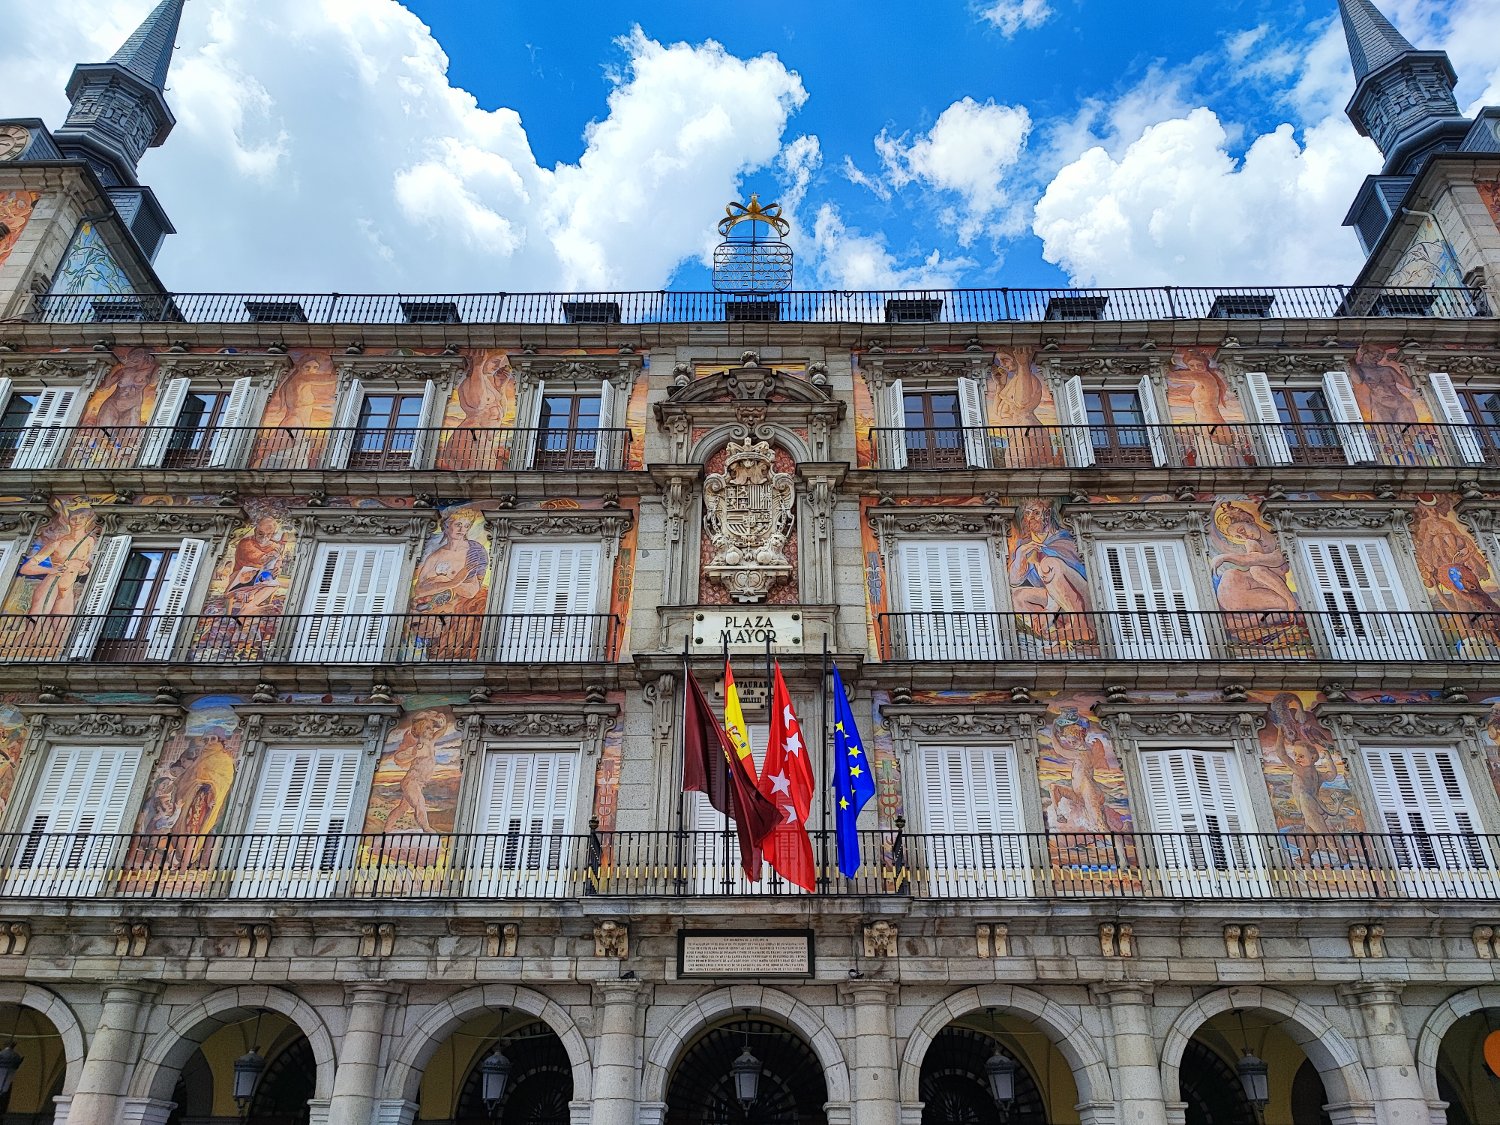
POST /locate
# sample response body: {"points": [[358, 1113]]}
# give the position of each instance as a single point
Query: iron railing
{"points": [[288, 310], [1193, 635], [705, 864], [1224, 445], [431, 637], [280, 448]]}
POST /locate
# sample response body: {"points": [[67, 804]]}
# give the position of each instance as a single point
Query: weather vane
{"points": [[753, 259]]}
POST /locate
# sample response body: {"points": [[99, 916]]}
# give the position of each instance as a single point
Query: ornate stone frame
{"points": [[1183, 522], [921, 371], [606, 525], [32, 371], [18, 524], [386, 374], [408, 527], [1482, 518], [613, 376], [223, 368], [988, 521]]}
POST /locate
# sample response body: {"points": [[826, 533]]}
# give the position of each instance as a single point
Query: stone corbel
{"points": [[223, 369], [679, 486], [661, 695]]}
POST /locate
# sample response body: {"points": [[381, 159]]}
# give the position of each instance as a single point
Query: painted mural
{"points": [[50, 577], [88, 269], [1458, 579], [1047, 577], [248, 589], [1198, 396], [607, 773], [1306, 776], [452, 580], [1082, 781], [190, 787], [12, 743], [303, 399], [483, 402], [1489, 191], [1429, 262], [416, 784], [1252, 580], [15, 213]]}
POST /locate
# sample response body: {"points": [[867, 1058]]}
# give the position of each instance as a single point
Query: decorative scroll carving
{"points": [[252, 939], [753, 401], [911, 724], [1429, 722], [991, 521], [612, 939], [266, 370], [15, 938], [1128, 722], [1112, 519], [880, 368], [1485, 946], [501, 939], [1350, 515], [747, 517], [1242, 942], [377, 939], [294, 722], [131, 939], [444, 371], [882, 939], [133, 725], [1367, 941], [312, 725], [607, 526], [56, 368], [1454, 363], [152, 520], [412, 525], [1117, 939], [1276, 362], [661, 695], [585, 725], [618, 371], [1095, 367]]}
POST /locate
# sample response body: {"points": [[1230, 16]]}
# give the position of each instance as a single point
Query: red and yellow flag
{"points": [[787, 780]]}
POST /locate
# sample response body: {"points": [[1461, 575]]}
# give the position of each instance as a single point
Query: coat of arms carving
{"points": [[748, 519]]}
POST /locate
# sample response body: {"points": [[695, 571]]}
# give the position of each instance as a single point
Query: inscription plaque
{"points": [[744, 953]]}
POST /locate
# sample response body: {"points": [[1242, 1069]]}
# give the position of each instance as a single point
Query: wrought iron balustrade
{"points": [[705, 864], [1193, 635], [1223, 445], [283, 448], [431, 637], [291, 312]]}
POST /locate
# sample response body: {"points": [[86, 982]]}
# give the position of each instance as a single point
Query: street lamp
{"points": [[10, 1062], [494, 1073], [1254, 1074], [248, 1069], [1000, 1070], [746, 1070]]}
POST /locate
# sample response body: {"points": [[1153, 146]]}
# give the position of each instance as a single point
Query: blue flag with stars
{"points": [[853, 778]]}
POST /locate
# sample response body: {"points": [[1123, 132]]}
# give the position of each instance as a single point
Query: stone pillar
{"points": [[356, 1081], [145, 1111], [617, 1071], [874, 1077], [112, 1055], [1387, 1052], [1137, 1064]]}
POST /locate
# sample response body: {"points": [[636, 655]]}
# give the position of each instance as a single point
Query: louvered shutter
{"points": [[1153, 601], [1199, 813], [1347, 419], [104, 574], [526, 817], [1151, 417], [345, 423], [971, 415], [295, 843], [550, 604], [972, 807], [78, 807], [528, 439], [422, 440], [1460, 427], [892, 441], [1426, 807], [8, 549], [1273, 445], [348, 603], [1365, 612], [46, 428], [1078, 442], [949, 597], [229, 439], [609, 447], [169, 402], [168, 613], [6, 386]]}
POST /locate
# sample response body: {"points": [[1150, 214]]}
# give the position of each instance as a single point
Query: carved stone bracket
{"points": [[585, 725], [912, 724], [882, 939], [1454, 723], [612, 939], [266, 370], [444, 371], [15, 938], [989, 520], [501, 939], [754, 401], [327, 723], [1131, 723], [661, 695], [620, 371], [252, 939], [131, 938]]}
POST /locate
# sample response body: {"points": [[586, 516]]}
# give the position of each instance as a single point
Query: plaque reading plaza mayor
{"points": [[744, 953], [748, 629]]}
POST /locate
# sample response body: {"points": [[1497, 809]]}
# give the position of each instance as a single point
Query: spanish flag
{"points": [[734, 722]]}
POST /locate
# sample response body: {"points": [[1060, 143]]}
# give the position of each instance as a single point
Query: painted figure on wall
{"points": [[1047, 577], [416, 784], [126, 395], [302, 401], [1083, 786], [188, 791], [482, 409], [1457, 578], [15, 213], [12, 741], [1019, 392], [257, 580], [248, 590], [1198, 397], [1309, 788], [451, 582], [1250, 577], [53, 571], [1384, 389]]}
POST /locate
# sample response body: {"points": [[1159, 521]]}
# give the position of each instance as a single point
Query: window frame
{"points": [[360, 377], [537, 377]]}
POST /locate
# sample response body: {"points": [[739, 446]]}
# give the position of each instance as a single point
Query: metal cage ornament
{"points": [[753, 259]]}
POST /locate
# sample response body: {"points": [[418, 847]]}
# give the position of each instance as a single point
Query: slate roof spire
{"points": [[148, 52], [1373, 39]]}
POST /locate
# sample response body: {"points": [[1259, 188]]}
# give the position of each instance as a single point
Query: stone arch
{"points": [[55, 1008], [718, 437], [1440, 1022], [1078, 1045], [168, 1050], [664, 1051], [403, 1077], [1337, 1062]]}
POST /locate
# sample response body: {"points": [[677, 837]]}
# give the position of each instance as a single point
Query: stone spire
{"points": [[1373, 39], [119, 108]]}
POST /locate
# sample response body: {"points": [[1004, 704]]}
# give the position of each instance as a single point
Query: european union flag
{"points": [[853, 778]]}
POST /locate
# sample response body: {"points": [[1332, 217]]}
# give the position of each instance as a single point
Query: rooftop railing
{"points": [[705, 864], [672, 307]]}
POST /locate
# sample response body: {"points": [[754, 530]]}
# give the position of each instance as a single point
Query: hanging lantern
{"points": [[1000, 1069], [247, 1071], [1254, 1078], [494, 1073], [746, 1072], [10, 1062]]}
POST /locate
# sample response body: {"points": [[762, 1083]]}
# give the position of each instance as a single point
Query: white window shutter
{"points": [[1199, 794], [1273, 444], [971, 805], [551, 597], [528, 440], [169, 402], [1365, 610], [609, 448], [75, 815], [1078, 443], [47, 428], [422, 440], [948, 593], [345, 420], [353, 587], [526, 815], [1425, 806], [1151, 417], [1347, 419], [294, 841], [8, 550], [6, 385], [1452, 409], [228, 440], [1151, 593], [893, 423], [104, 574], [971, 415], [169, 613]]}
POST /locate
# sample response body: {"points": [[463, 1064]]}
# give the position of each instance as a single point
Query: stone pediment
{"points": [[753, 399], [751, 383]]}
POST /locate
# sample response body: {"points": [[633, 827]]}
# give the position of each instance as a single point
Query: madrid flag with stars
{"points": [[787, 780]]}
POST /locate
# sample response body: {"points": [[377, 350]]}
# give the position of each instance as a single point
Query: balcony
{"points": [[1132, 866], [952, 306], [318, 639], [284, 448], [1175, 636], [1243, 445]]}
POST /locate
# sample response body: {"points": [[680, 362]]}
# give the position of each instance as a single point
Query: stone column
{"points": [[356, 1082], [1387, 1052], [617, 1071], [1137, 1064], [112, 1055], [874, 1077]]}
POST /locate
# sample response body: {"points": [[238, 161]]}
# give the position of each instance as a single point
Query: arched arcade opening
{"points": [[1465, 1080], [996, 1068], [1213, 1083], [208, 1091], [38, 1077], [538, 1076], [712, 1075]]}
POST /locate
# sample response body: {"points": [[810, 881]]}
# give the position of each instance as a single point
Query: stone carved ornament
{"points": [[747, 516]]}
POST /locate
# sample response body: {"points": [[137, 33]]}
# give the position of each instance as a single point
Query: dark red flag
{"points": [[710, 766]]}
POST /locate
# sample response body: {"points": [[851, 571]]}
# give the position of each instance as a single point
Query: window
{"points": [[70, 847], [194, 428], [1309, 423], [35, 424], [1425, 807], [1472, 415], [1118, 426], [525, 815], [136, 599], [295, 843], [347, 608], [550, 607], [1200, 815], [941, 425], [947, 591], [1364, 611], [572, 427], [1154, 607], [382, 427], [971, 806]]}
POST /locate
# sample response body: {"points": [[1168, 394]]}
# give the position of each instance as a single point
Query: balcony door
{"points": [[714, 864], [1203, 840], [524, 848], [36, 425], [1425, 806], [971, 806], [346, 613], [948, 595], [296, 842], [551, 602], [1365, 614], [136, 600], [1153, 606], [70, 844]]}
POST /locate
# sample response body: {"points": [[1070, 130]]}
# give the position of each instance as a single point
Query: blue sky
{"points": [[450, 145]]}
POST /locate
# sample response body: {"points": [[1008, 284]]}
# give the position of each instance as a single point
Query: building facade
{"points": [[343, 644]]}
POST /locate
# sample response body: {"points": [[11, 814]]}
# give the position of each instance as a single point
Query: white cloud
{"points": [[848, 259], [322, 146], [1011, 16]]}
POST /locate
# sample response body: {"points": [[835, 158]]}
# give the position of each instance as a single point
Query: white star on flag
{"points": [[780, 784], [794, 743], [786, 778]]}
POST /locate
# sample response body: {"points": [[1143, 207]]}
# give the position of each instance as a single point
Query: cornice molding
{"points": [[890, 523], [222, 367], [914, 723], [1280, 361], [1103, 366], [618, 370], [1459, 364], [580, 724], [608, 524], [1151, 518], [45, 367], [1129, 723], [160, 520], [1420, 721], [880, 368], [363, 724], [133, 722], [1339, 515], [441, 369]]}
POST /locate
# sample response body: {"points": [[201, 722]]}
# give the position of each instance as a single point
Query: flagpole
{"points": [[728, 777], [681, 881], [823, 877]]}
